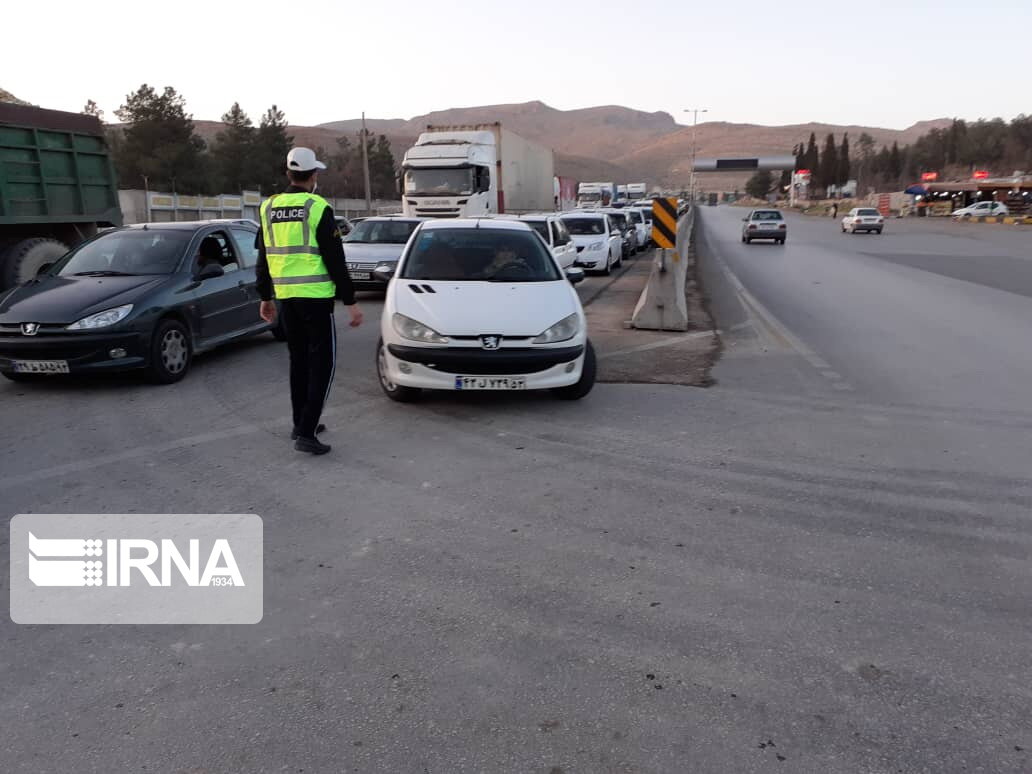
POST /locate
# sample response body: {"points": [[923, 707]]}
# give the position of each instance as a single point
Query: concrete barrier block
{"points": [[663, 305]]}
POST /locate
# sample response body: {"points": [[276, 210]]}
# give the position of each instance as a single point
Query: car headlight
{"points": [[102, 319], [563, 330], [387, 266], [596, 245], [414, 330]]}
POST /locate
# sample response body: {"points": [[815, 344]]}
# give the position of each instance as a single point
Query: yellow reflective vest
{"points": [[289, 222]]}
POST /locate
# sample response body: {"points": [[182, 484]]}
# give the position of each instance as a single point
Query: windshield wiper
{"points": [[103, 273]]}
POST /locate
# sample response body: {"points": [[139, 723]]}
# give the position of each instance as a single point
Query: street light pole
{"points": [[695, 121]]}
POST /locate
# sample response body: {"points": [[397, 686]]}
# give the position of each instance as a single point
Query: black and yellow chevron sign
{"points": [[664, 222]]}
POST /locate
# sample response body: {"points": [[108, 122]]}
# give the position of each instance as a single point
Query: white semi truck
{"points": [[590, 195], [636, 191], [479, 169]]}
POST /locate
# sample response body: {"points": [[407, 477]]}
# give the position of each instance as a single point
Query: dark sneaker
{"points": [[311, 445], [294, 434]]}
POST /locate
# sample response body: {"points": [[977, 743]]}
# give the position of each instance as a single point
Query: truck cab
{"points": [[595, 195], [449, 175]]}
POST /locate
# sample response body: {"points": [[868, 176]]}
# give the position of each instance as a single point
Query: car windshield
{"points": [[868, 213], [136, 251], [539, 226], [635, 216], [589, 197], [479, 255], [647, 214], [620, 221], [767, 215], [585, 226], [382, 232], [439, 182]]}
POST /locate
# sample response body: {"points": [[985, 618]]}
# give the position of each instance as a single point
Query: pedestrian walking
{"points": [[834, 209], [301, 264]]}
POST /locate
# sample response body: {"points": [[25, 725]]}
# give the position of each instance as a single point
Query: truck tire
{"points": [[22, 261]]}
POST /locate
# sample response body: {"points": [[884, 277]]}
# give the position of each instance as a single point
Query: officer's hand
{"points": [[267, 311], [356, 315]]}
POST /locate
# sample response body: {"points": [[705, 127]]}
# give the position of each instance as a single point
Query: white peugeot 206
{"points": [[481, 304]]}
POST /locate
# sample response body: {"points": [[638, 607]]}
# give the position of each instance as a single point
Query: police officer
{"points": [[301, 262]]}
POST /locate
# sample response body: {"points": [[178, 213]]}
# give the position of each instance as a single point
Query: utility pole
{"points": [[695, 121], [365, 167]]}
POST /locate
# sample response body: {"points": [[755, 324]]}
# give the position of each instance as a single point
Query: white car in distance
{"points": [[981, 209], [481, 304], [643, 227], [552, 229], [599, 242], [863, 219]]}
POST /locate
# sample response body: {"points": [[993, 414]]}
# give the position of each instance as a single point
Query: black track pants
{"points": [[312, 341]]}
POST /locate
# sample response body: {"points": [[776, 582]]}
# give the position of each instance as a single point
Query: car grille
{"points": [[362, 266], [437, 212]]}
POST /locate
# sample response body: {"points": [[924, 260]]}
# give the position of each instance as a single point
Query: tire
{"points": [[395, 392], [878, 231], [22, 261], [583, 385], [171, 352], [747, 240], [743, 239]]}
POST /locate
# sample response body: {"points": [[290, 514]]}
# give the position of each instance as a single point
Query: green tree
{"points": [[233, 152], [829, 163], [895, 169], [382, 171], [91, 109], [813, 160], [844, 164], [271, 146], [759, 185], [159, 143]]}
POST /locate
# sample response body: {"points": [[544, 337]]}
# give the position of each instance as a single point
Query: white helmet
{"points": [[303, 160]]}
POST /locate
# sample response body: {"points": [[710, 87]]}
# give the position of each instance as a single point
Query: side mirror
{"points": [[44, 268], [209, 271], [383, 274], [575, 275], [745, 220]]}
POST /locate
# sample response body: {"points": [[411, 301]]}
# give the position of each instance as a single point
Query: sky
{"points": [[872, 63]]}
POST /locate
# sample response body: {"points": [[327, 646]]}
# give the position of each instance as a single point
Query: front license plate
{"points": [[359, 275], [490, 383], [41, 366]]}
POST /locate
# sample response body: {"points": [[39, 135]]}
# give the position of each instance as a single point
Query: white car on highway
{"points": [[599, 242], [982, 209], [643, 228], [552, 229], [863, 219], [481, 304]]}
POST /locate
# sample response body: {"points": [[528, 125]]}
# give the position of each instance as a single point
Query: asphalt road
{"points": [[773, 574]]}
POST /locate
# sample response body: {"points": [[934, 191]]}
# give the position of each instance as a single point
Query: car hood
{"points": [[473, 308], [361, 252], [67, 299]]}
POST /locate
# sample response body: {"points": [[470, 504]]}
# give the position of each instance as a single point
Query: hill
{"points": [[613, 142]]}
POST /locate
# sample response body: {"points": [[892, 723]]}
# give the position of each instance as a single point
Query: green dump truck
{"points": [[57, 187]]}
